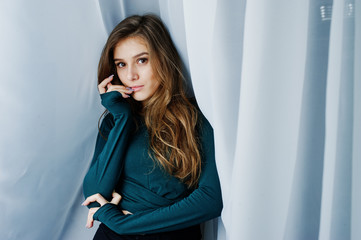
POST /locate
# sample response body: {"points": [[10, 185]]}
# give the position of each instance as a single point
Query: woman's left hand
{"points": [[102, 201]]}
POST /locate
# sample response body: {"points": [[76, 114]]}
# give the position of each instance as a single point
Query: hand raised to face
{"points": [[107, 86]]}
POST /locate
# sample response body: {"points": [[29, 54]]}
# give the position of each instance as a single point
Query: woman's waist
{"points": [[136, 197]]}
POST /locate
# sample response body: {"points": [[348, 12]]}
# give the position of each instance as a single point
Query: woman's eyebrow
{"points": [[138, 55]]}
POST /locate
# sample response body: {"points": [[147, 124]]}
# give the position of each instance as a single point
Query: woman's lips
{"points": [[137, 88]]}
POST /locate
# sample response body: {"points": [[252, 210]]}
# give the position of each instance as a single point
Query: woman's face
{"points": [[134, 69]]}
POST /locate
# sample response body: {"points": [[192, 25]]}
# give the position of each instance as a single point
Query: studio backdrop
{"points": [[280, 82]]}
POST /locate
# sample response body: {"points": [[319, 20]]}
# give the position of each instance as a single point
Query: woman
{"points": [[154, 147]]}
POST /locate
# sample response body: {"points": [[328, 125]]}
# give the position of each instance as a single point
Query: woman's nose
{"points": [[132, 73]]}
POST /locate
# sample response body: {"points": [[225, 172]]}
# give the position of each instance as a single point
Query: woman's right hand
{"points": [[106, 86], [102, 201], [116, 200], [112, 97]]}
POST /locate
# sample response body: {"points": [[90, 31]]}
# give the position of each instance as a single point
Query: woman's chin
{"points": [[138, 97]]}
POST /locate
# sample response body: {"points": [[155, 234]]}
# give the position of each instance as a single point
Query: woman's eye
{"points": [[142, 60], [121, 64]]}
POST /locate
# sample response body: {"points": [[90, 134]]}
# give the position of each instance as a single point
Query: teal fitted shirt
{"points": [[159, 202]]}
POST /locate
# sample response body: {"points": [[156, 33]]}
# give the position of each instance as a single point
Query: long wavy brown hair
{"points": [[168, 115]]}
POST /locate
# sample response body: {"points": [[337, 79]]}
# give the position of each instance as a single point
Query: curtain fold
{"points": [[356, 150], [280, 82], [49, 109], [337, 196], [303, 216]]}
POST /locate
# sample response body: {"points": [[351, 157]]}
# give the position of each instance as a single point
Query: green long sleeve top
{"points": [[159, 202]]}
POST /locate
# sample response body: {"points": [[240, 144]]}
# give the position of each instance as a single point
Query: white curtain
{"points": [[279, 80]]}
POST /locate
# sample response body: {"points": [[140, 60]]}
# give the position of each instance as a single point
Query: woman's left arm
{"points": [[202, 204]]}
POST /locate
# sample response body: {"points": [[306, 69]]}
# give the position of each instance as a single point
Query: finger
{"points": [[103, 84], [106, 81], [121, 89], [90, 219], [125, 212], [109, 85], [129, 90], [89, 222], [125, 95], [95, 198], [116, 198]]}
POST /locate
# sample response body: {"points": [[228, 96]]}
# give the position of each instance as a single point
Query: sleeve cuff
{"points": [[115, 103], [105, 210]]}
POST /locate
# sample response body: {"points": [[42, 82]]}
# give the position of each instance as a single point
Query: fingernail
{"points": [[129, 88], [111, 76], [126, 95]]}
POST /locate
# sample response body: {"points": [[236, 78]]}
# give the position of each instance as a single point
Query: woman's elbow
{"points": [[215, 206], [88, 190], [218, 207]]}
